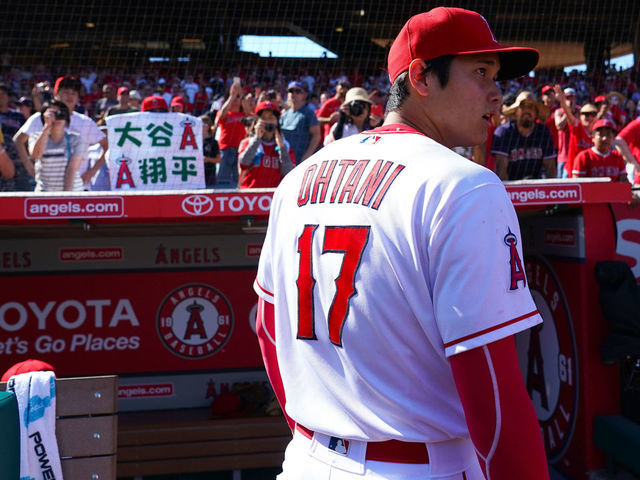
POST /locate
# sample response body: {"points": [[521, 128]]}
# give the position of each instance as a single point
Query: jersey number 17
{"points": [[350, 241]]}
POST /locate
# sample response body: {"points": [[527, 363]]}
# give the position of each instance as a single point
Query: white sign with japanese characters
{"points": [[155, 151]]}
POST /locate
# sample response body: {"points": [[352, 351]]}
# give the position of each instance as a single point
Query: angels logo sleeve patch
{"points": [[517, 274], [480, 291]]}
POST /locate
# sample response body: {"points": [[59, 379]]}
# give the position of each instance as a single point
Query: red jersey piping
{"points": [[263, 289], [491, 329]]}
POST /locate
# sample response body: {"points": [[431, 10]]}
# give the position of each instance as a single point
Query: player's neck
{"points": [[417, 122]]}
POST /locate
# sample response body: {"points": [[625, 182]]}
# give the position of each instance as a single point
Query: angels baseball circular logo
{"points": [[547, 354], [194, 321]]}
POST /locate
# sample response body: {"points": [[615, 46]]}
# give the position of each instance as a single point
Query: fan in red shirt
{"points": [[601, 160], [229, 121], [579, 129], [567, 100], [264, 156], [581, 133], [328, 113]]}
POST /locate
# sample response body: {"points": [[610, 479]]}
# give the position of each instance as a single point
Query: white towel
{"points": [[36, 395]]}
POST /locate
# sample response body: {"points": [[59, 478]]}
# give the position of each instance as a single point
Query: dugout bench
{"points": [[185, 441]]}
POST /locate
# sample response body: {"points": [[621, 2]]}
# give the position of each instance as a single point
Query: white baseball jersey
{"points": [[385, 254]]}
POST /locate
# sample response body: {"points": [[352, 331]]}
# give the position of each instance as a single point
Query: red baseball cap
{"points": [[604, 123], [26, 366], [455, 31], [546, 88], [122, 90], [153, 102], [600, 98], [178, 101], [267, 105]]}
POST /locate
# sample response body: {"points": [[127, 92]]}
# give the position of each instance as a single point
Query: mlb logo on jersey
{"points": [[339, 445], [371, 139]]}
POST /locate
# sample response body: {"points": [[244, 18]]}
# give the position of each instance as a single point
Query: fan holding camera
{"points": [[264, 156], [57, 153], [354, 116]]}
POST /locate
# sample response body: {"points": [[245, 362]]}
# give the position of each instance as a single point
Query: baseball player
{"points": [[391, 281]]}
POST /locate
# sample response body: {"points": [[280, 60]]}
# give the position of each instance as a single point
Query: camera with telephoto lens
{"points": [[269, 127], [356, 108]]}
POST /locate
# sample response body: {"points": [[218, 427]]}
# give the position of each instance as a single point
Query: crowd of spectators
{"points": [[546, 120]]}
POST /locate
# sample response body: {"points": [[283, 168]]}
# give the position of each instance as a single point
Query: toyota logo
{"points": [[197, 205]]}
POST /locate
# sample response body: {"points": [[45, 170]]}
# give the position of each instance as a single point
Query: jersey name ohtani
{"points": [[364, 182]]}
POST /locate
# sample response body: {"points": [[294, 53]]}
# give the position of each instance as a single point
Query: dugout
{"points": [[124, 282]]}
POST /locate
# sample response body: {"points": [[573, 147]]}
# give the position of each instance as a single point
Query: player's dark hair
{"points": [[399, 91]]}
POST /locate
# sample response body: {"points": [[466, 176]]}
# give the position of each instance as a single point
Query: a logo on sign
{"points": [[548, 360], [194, 321], [197, 205]]}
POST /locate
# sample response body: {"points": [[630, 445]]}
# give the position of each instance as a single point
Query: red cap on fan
{"points": [[454, 31], [268, 105], [603, 123], [154, 102], [178, 101], [30, 365]]}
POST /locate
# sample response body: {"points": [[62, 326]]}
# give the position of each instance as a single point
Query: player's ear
{"points": [[418, 78]]}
